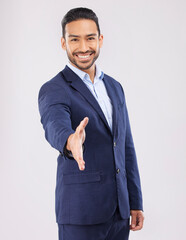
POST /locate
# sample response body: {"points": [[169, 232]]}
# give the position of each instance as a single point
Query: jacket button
{"points": [[114, 144], [117, 170]]}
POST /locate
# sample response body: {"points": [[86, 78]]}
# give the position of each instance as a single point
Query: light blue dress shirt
{"points": [[98, 90]]}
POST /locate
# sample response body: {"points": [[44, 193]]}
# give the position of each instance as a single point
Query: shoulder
{"points": [[54, 91], [53, 85]]}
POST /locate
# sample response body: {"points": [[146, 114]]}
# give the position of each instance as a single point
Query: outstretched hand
{"points": [[75, 142]]}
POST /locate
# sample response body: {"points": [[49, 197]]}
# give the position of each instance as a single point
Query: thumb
{"points": [[82, 124]]}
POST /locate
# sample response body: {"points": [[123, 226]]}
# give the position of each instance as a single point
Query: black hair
{"points": [[79, 13]]}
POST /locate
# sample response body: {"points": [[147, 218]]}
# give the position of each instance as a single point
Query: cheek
{"points": [[73, 48], [94, 46], [70, 50]]}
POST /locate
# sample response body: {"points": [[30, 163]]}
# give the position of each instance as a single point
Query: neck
{"points": [[91, 71]]}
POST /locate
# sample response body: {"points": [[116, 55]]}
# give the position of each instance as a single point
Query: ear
{"points": [[63, 43], [101, 40]]}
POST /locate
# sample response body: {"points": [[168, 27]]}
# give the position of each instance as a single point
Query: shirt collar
{"points": [[83, 75]]}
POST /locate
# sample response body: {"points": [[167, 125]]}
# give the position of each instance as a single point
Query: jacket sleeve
{"points": [[133, 177], [54, 108]]}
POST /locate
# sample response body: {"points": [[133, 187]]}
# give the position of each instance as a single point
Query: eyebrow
{"points": [[89, 35]]}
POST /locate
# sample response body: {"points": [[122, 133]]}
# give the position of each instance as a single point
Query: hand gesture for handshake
{"points": [[75, 142]]}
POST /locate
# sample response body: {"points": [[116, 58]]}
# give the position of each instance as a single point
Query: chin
{"points": [[84, 67]]}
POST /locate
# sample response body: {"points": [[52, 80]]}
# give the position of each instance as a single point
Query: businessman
{"points": [[84, 116]]}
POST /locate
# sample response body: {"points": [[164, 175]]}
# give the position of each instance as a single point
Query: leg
{"points": [[114, 229], [120, 228], [84, 232]]}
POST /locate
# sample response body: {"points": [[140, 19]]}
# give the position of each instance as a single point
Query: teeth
{"points": [[81, 56]]}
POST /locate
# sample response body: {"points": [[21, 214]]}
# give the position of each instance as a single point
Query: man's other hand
{"points": [[137, 219], [75, 142]]}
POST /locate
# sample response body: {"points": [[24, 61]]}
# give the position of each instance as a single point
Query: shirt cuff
{"points": [[68, 153]]}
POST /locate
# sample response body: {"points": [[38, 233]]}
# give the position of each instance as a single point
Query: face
{"points": [[82, 43]]}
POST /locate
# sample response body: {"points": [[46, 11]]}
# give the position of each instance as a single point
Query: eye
{"points": [[91, 38], [74, 40]]}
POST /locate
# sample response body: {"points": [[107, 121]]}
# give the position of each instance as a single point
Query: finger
{"points": [[79, 159], [139, 223], [83, 124], [81, 165], [80, 162], [133, 221], [136, 228]]}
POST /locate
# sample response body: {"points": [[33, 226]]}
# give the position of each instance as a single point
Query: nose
{"points": [[83, 46]]}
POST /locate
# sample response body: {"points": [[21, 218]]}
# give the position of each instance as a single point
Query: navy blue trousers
{"points": [[115, 228]]}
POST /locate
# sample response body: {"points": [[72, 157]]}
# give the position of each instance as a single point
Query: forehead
{"points": [[81, 27]]}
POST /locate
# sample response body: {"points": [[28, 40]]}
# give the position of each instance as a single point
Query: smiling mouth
{"points": [[84, 56]]}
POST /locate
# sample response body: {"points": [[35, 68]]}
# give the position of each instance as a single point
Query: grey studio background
{"points": [[144, 49]]}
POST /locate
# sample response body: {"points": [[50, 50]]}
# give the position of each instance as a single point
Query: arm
{"points": [[133, 178], [54, 107]]}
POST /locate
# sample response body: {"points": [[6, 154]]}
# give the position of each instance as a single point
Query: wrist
{"points": [[69, 140]]}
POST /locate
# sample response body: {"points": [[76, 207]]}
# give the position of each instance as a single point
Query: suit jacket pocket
{"points": [[81, 178]]}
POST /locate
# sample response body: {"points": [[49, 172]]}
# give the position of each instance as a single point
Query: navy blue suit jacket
{"points": [[111, 173]]}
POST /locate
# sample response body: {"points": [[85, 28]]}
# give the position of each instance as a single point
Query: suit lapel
{"points": [[113, 96], [81, 87]]}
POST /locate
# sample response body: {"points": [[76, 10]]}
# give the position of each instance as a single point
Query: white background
{"points": [[144, 49]]}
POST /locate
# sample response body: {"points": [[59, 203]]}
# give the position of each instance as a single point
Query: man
{"points": [[84, 115]]}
